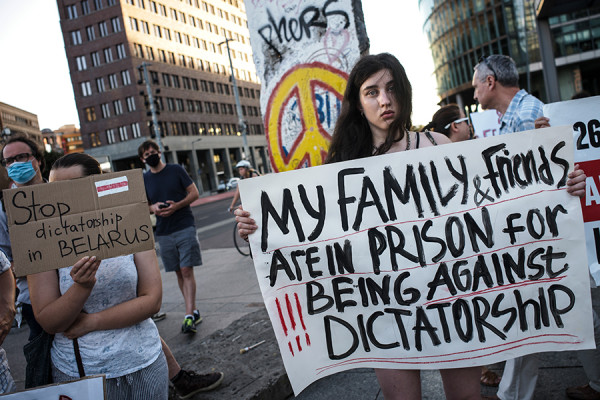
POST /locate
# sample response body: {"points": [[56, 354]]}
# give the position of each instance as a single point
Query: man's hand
{"points": [[576, 182], [541, 122]]}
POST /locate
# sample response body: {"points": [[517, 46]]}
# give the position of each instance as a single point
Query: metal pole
{"points": [[238, 105], [152, 109]]}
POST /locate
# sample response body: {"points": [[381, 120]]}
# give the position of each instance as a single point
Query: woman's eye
{"points": [[372, 93]]}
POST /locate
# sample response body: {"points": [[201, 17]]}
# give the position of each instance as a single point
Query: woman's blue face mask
{"points": [[21, 172]]}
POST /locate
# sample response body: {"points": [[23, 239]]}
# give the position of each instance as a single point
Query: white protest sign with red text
{"points": [[450, 256], [583, 115], [486, 123]]}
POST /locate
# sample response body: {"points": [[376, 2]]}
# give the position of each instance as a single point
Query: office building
{"points": [[106, 42], [462, 31]]}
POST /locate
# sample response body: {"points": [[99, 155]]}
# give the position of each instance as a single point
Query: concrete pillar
{"points": [[548, 63], [213, 169], [265, 159], [194, 166], [228, 169]]}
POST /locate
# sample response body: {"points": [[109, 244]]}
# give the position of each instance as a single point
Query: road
{"points": [[214, 224]]}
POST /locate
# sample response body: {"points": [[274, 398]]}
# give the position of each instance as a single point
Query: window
{"points": [[103, 29], [135, 130], [175, 81], [177, 37], [189, 105], [145, 27], [130, 101], [186, 82], [172, 57], [75, 38], [86, 88], [223, 108], [85, 7], [139, 50], [90, 114], [179, 104], [98, 4], [81, 64], [194, 84], [207, 107], [90, 33], [110, 136], [133, 23], [118, 107], [163, 10], [211, 87], [182, 17], [125, 77], [71, 11], [166, 80], [174, 14], [157, 31], [184, 129], [196, 42], [167, 33], [204, 85], [123, 133], [110, 2], [154, 77], [105, 110], [170, 104], [162, 56], [215, 107], [108, 58], [149, 53], [182, 60], [153, 8], [198, 105], [95, 139], [121, 51], [192, 21], [186, 39], [112, 81], [95, 58], [190, 61], [141, 4], [100, 85], [116, 24]]}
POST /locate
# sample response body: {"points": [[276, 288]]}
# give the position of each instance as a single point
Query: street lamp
{"points": [[238, 106], [196, 167]]}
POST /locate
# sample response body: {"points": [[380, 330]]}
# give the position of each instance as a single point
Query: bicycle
{"points": [[241, 246]]}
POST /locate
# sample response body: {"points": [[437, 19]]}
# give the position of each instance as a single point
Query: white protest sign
{"points": [[449, 256], [88, 388], [486, 123], [583, 116]]}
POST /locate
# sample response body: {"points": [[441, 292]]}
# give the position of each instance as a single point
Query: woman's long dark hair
{"points": [[88, 163], [352, 136], [442, 117]]}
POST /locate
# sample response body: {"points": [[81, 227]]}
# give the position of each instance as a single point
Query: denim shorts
{"points": [[180, 249]]}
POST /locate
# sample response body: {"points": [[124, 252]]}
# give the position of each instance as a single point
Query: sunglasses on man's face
{"points": [[484, 60], [458, 121]]}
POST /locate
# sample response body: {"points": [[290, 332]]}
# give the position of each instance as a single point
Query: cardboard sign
{"points": [[303, 51], [88, 388], [449, 256], [486, 123], [583, 116], [54, 225]]}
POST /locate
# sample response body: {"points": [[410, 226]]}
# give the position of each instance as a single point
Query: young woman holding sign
{"points": [[376, 119], [106, 306]]}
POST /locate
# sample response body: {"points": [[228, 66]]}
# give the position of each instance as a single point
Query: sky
{"points": [[34, 74]]}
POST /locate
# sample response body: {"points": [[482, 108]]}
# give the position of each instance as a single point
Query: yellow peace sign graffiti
{"points": [[311, 145]]}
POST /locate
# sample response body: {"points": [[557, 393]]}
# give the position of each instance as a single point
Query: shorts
{"points": [[180, 249]]}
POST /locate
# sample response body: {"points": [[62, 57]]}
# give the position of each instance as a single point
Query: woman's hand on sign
{"points": [[576, 182], [84, 324], [541, 122], [84, 271], [246, 225]]}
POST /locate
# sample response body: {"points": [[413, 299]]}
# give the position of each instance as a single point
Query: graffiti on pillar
{"points": [[303, 51]]}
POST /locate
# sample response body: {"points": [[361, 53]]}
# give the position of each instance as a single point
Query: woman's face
{"points": [[64, 174], [378, 101], [463, 130]]}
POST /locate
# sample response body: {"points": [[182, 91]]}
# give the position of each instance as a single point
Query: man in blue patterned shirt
{"points": [[496, 84]]}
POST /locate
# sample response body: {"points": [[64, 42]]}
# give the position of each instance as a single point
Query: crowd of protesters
{"points": [[100, 319]]}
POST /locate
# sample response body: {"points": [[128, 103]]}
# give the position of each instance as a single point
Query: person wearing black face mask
{"points": [[170, 191]]}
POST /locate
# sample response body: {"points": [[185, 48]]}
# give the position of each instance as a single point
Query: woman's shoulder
{"points": [[438, 138]]}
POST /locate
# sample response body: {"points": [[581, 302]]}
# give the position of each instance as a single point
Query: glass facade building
{"points": [[462, 31]]}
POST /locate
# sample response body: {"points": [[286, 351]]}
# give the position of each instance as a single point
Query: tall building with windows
{"points": [[106, 42], [462, 31]]}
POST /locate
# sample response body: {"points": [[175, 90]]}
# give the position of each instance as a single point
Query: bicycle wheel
{"points": [[241, 246]]}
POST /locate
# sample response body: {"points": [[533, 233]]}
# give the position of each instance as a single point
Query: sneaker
{"points": [[188, 326], [189, 383], [159, 316], [197, 317], [583, 393]]}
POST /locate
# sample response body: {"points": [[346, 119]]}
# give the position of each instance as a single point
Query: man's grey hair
{"points": [[503, 68]]}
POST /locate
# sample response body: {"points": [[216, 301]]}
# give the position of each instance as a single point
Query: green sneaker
{"points": [[197, 317], [188, 326]]}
